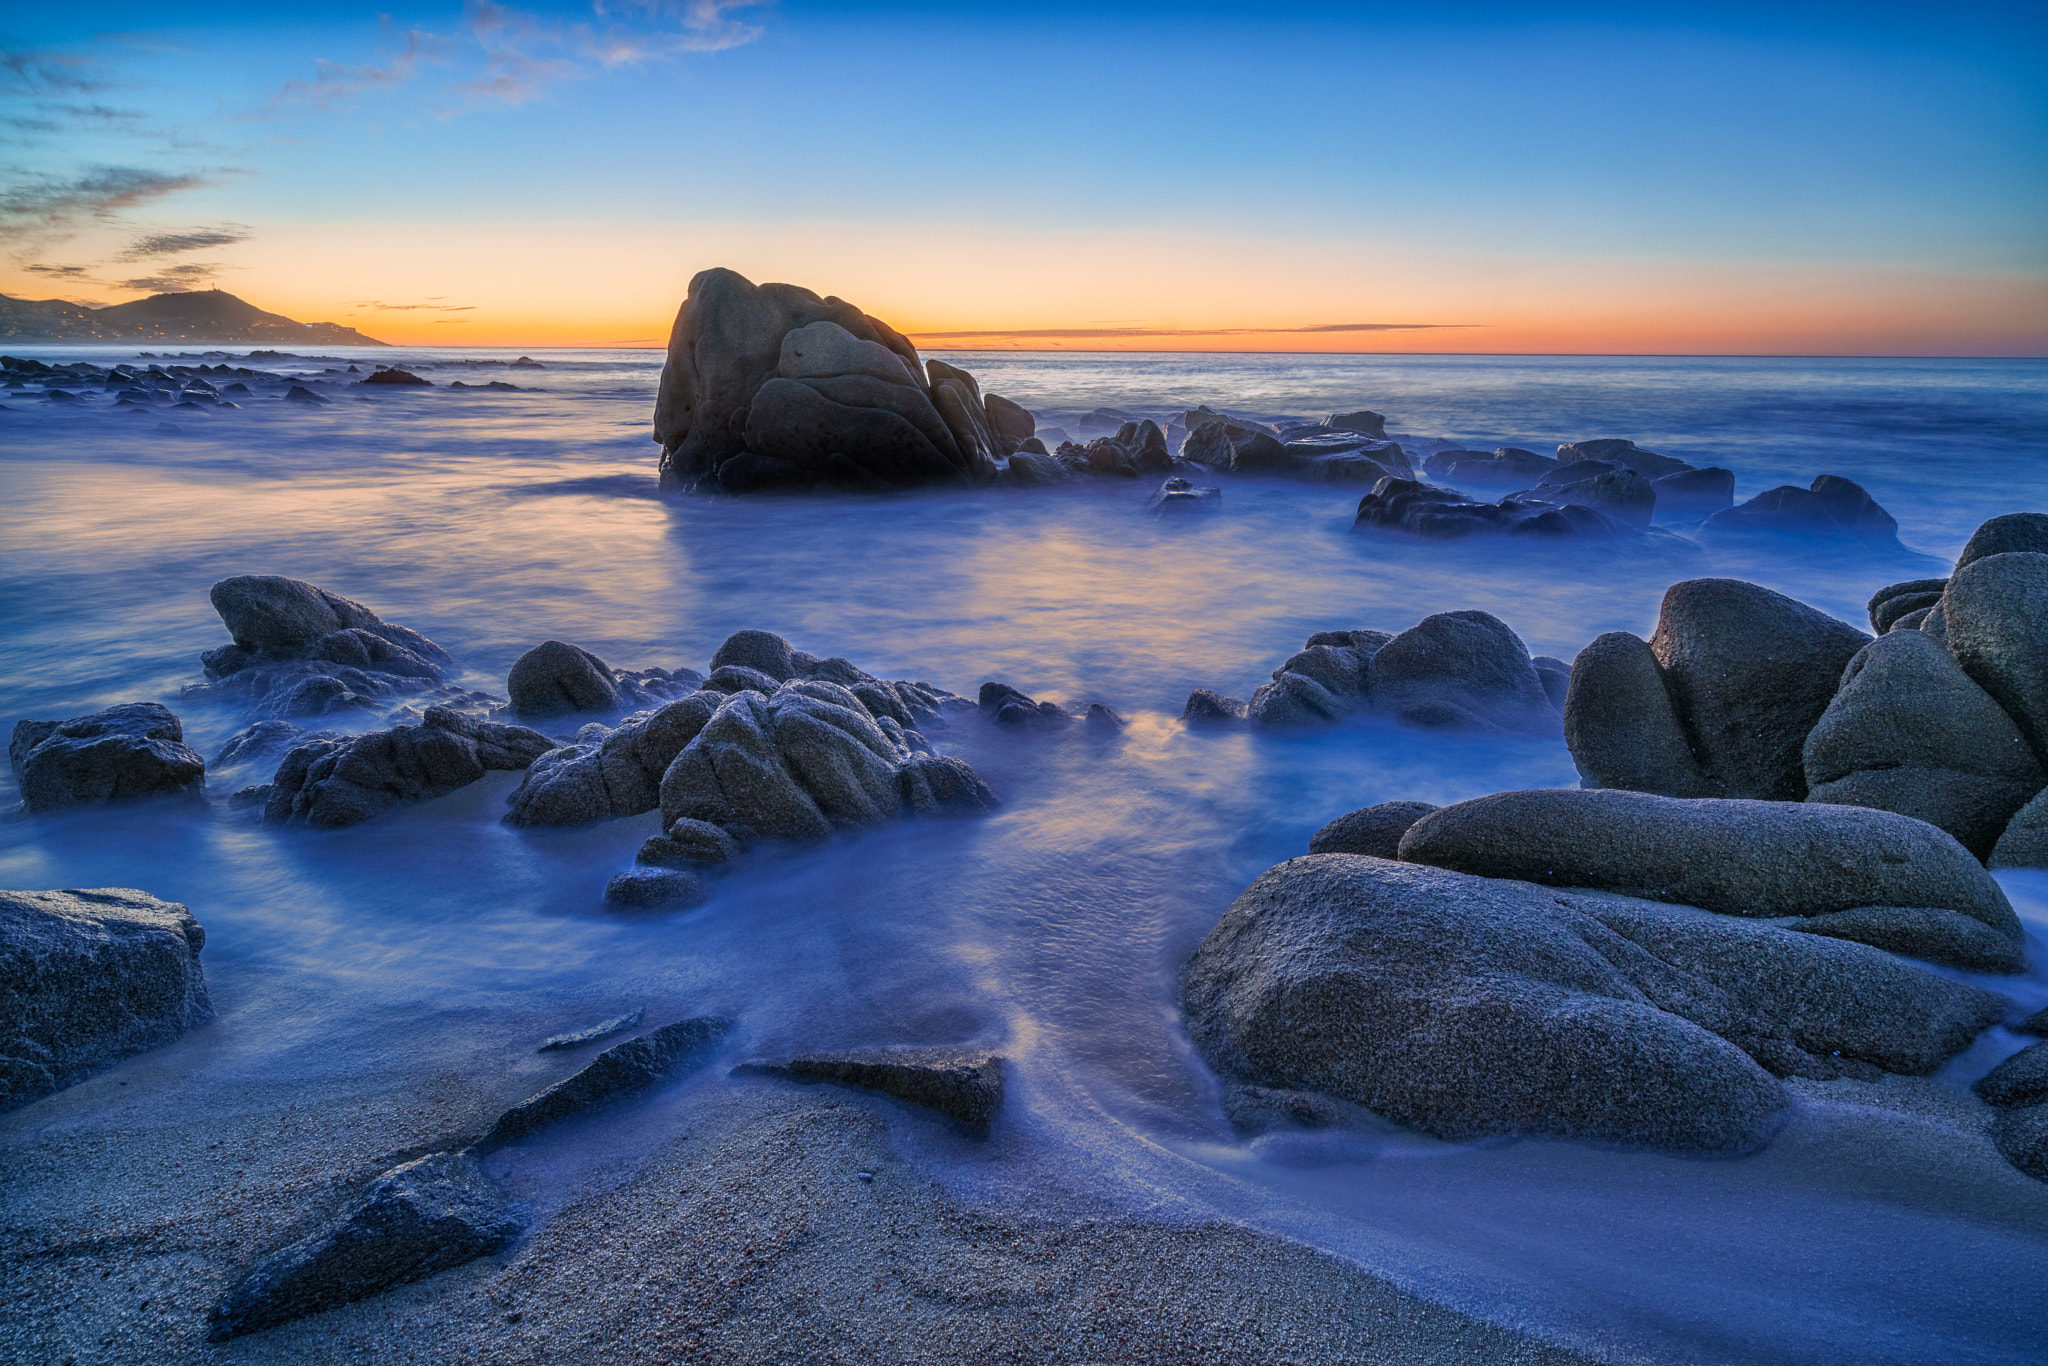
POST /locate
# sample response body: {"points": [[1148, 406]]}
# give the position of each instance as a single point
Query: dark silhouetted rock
{"points": [[1995, 609], [1206, 708], [392, 375], [1374, 830], [2015, 531], [957, 397], [554, 679], [1909, 732], [331, 783], [940, 785], [414, 1221], [1363, 421], [1832, 506], [1006, 706], [124, 753], [88, 977], [1466, 1006], [1605, 486], [1740, 858], [604, 1029], [265, 742], [299, 393], [1178, 496], [965, 1085], [1619, 451], [689, 844], [621, 1070], [2022, 1135], [1888, 606], [655, 889], [1011, 423], [1690, 495], [275, 620], [1460, 670]]}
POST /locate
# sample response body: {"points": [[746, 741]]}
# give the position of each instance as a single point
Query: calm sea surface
{"points": [[1054, 930]]}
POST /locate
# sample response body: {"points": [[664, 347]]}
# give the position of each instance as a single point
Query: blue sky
{"points": [[1418, 155]]}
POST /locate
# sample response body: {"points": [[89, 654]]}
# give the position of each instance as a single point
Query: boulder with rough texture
{"points": [[387, 374], [1441, 514], [1890, 606], [1619, 450], [1910, 732], [1011, 423], [1209, 708], [1749, 671], [1604, 485], [655, 889], [124, 753], [1134, 449], [1324, 681], [554, 679], [414, 1221], [1460, 670], [2018, 1089], [265, 741], [689, 844], [276, 620], [728, 343], [1831, 506], [1466, 1006], [1622, 726], [1364, 421], [1374, 830], [619, 775], [957, 397], [332, 783], [1007, 706], [963, 1084], [621, 1070], [1996, 610], [2014, 531], [2024, 842], [1740, 858], [88, 977]]}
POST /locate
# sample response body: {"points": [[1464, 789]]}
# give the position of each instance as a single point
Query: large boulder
{"points": [[1011, 423], [616, 776], [1621, 725], [1910, 732], [1996, 609], [1374, 830], [554, 679], [957, 397], [1460, 670], [88, 977], [1465, 1006], [1621, 451], [332, 783], [727, 343], [1749, 671], [419, 1218], [1876, 876], [1831, 507], [1605, 485], [275, 620], [2014, 531], [1324, 681], [124, 753]]}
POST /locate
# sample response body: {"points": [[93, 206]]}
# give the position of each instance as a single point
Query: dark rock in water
{"points": [[1011, 423], [1739, 858], [385, 374], [555, 679], [1460, 669], [615, 777], [1103, 420], [1028, 468], [2015, 531], [1622, 726], [576, 1038], [1179, 496], [1101, 720], [299, 393], [1322, 682], [655, 889], [689, 844], [254, 795], [1006, 706], [1649, 464], [1206, 708], [940, 785], [1832, 506], [1363, 421], [1374, 830], [1909, 732], [1605, 486], [1995, 608], [965, 1085], [1889, 606], [2022, 1135], [332, 783], [2024, 844], [266, 741], [2021, 1079], [1505, 464], [88, 977], [621, 1070], [1446, 514], [1750, 672], [124, 753], [1693, 494], [957, 397], [2036, 1023], [278, 620], [415, 1220], [1556, 677], [1134, 449], [1466, 1006]]}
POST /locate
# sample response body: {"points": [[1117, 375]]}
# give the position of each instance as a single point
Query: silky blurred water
{"points": [[1054, 929]]}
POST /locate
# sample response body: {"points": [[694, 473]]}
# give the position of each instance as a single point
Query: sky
{"points": [[1736, 179]]}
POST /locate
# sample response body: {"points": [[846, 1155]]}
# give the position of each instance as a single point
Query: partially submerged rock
{"points": [[2018, 1088], [655, 889], [1831, 507], [1374, 830], [1621, 451], [1208, 708], [621, 1070], [1739, 858], [1179, 496], [124, 753], [604, 1029], [332, 783], [88, 977], [1452, 670], [555, 679], [416, 1220], [1465, 1006], [963, 1084], [1543, 514]]}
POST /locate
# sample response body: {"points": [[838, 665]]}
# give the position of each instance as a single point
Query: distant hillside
{"points": [[202, 315]]}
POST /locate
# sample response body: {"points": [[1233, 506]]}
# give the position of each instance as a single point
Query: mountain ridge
{"points": [[200, 315]]}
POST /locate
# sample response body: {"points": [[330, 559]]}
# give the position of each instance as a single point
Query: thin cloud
{"points": [[39, 204], [62, 272], [334, 82], [704, 24], [1088, 332], [26, 72], [410, 308], [173, 279], [171, 243]]}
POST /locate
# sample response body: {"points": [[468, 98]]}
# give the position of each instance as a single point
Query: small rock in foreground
{"points": [[620, 1070], [575, 1038], [962, 1084]]}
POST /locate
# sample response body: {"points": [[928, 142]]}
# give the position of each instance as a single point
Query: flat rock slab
{"points": [[88, 977], [618, 1071], [576, 1038], [962, 1084], [426, 1216], [1743, 858]]}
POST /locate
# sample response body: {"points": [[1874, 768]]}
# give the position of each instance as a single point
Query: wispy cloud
{"points": [[28, 72], [171, 243], [1086, 332], [335, 83], [687, 26], [62, 272], [173, 279], [409, 308], [39, 204]]}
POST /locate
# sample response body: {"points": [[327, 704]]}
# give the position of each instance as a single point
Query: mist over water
{"points": [[1055, 928]]}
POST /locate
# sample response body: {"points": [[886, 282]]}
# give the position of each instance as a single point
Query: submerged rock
{"points": [[1374, 830], [655, 889], [88, 977], [275, 620], [1465, 1006], [1691, 495], [1207, 708], [604, 1029], [1453, 670], [1739, 858], [621, 1070], [414, 1221], [963, 1084], [1621, 451], [266, 741], [1604, 485], [332, 783], [386, 374], [1178, 496], [1006, 706], [124, 753], [1418, 509], [1832, 506]]}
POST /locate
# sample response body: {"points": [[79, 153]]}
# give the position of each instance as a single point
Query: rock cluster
{"points": [[332, 783], [554, 679], [1323, 452], [1453, 670], [88, 977], [1134, 449], [124, 753], [1831, 506], [769, 387], [1548, 513]]}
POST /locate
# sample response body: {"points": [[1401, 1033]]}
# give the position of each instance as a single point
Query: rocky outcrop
{"points": [[1455, 670], [88, 977], [1419, 509], [2018, 1089], [1831, 506], [1374, 830], [1134, 449], [1888, 880], [1504, 464], [414, 1221], [963, 1084], [2014, 531], [1209, 708], [389, 374], [1314, 453], [333, 783], [1467, 1006], [1619, 450], [1910, 732], [1890, 607], [772, 387], [621, 1070], [2024, 841], [554, 679], [1010, 423], [1994, 608], [1735, 678], [124, 753], [1604, 485]]}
